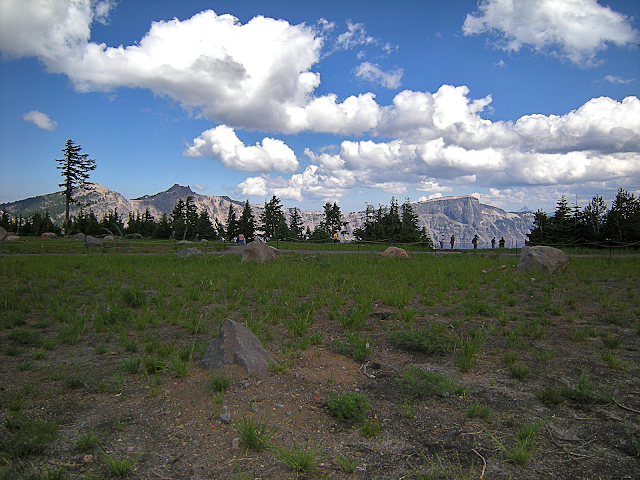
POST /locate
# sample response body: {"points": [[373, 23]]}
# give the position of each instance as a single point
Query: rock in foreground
{"points": [[544, 259], [236, 344], [259, 252]]}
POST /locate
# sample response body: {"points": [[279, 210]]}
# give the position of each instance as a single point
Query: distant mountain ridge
{"points": [[462, 216]]}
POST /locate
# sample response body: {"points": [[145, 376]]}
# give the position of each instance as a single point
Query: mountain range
{"points": [[462, 216]]}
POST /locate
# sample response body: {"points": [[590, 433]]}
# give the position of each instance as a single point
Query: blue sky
{"points": [[516, 102]]}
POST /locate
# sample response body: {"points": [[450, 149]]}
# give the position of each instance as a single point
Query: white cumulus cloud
{"points": [[573, 29], [222, 144], [616, 79], [372, 73], [40, 119]]}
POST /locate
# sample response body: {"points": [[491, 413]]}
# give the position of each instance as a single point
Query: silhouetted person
{"points": [[452, 241], [475, 242], [493, 242], [501, 242]]}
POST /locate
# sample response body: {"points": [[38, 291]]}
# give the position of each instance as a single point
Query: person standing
{"points": [[501, 243], [442, 242], [452, 241], [493, 242], [474, 241]]}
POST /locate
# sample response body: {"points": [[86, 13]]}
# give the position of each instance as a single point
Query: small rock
{"points": [[88, 459], [313, 408], [225, 416], [188, 252], [278, 405], [357, 454], [254, 408], [235, 444]]}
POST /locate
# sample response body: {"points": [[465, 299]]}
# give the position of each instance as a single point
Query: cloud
{"points": [[615, 79], [372, 73], [197, 186], [255, 76], [260, 76], [222, 144], [444, 143], [253, 187], [569, 29], [40, 119], [500, 64], [355, 36]]}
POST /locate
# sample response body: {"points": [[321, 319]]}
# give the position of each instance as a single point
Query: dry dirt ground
{"points": [[173, 431]]}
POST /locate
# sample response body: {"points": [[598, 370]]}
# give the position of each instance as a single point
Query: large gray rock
{"points": [[544, 259], [48, 235], [3, 233], [236, 344], [93, 241], [259, 252], [188, 252], [11, 237]]}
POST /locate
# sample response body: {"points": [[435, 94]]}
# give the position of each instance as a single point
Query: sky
{"points": [[516, 102]]}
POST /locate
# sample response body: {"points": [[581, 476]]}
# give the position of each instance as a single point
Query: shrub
{"points": [[218, 382], [255, 434], [422, 384], [550, 396], [301, 459], [348, 406], [431, 340]]}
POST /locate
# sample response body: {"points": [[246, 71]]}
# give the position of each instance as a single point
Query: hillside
{"points": [[463, 216]]}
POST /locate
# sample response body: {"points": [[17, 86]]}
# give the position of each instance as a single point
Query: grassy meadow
{"points": [[511, 358]]}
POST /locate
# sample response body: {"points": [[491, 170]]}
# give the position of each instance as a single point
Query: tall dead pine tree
{"points": [[75, 168]]}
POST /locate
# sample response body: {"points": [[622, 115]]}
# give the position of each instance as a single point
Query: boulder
{"points": [[236, 344], [259, 252], [184, 242], [11, 237], [137, 236], [544, 259], [93, 241], [3, 234], [48, 235], [394, 252], [77, 236], [187, 252]]}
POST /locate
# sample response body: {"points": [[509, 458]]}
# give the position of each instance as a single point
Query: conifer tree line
{"points": [[594, 223], [186, 222], [396, 224]]}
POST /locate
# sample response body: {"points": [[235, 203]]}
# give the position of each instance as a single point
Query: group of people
{"points": [[474, 242]]}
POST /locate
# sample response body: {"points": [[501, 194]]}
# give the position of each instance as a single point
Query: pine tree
{"points": [[177, 221], [333, 219], [410, 230], [538, 233], [623, 220], [246, 223], [75, 168], [296, 227], [190, 215], [559, 230], [232, 224], [595, 216], [204, 227], [393, 222], [272, 217]]}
